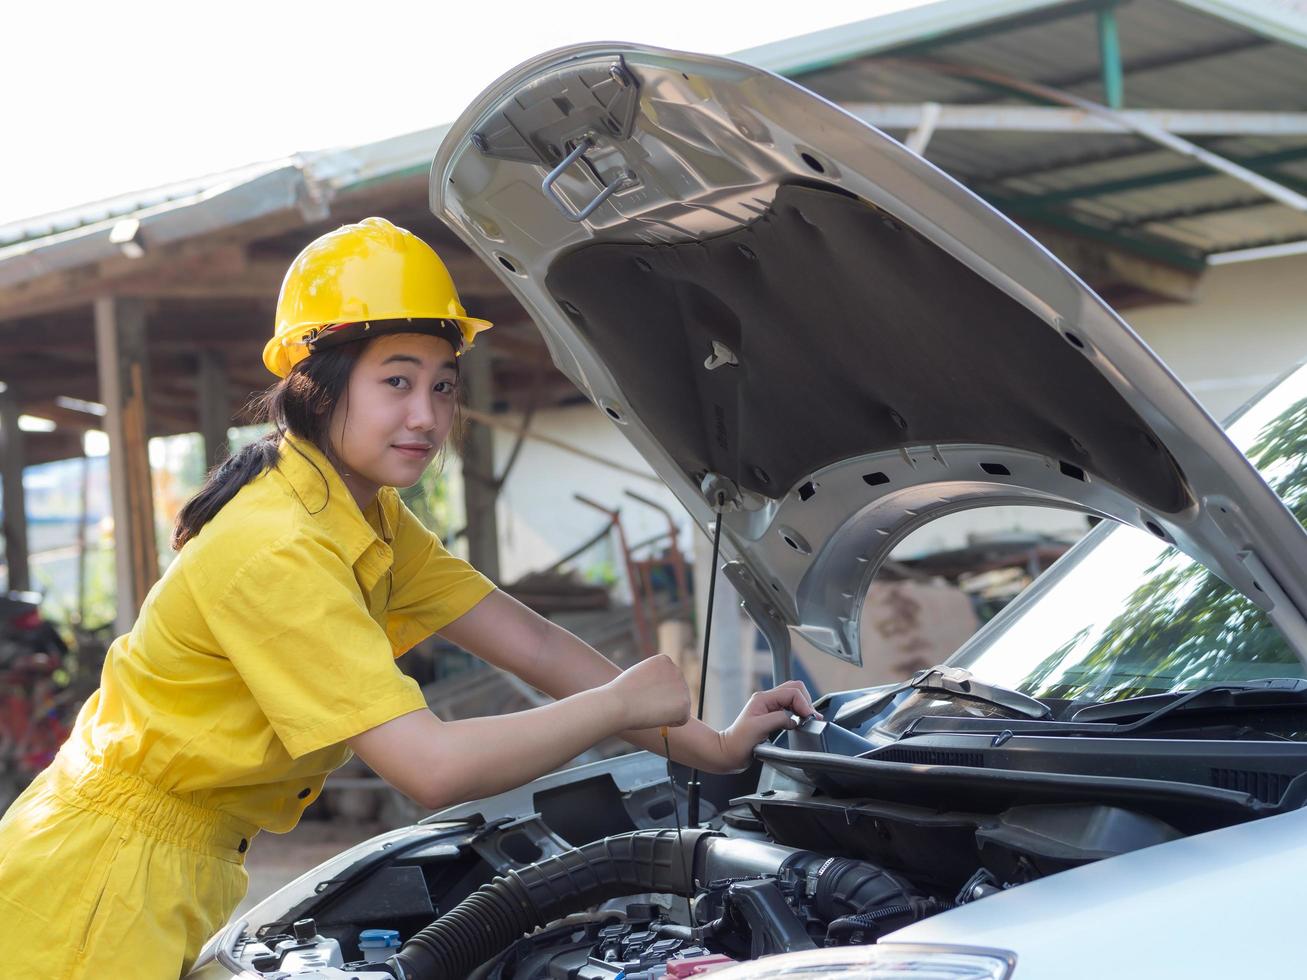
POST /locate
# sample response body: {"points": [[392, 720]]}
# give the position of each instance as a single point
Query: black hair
{"points": [[300, 404]]}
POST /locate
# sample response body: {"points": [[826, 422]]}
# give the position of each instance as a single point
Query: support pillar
{"points": [[121, 356], [479, 490], [12, 460], [214, 407], [1109, 53]]}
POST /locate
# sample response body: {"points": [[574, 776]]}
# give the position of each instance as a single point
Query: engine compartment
{"points": [[815, 847], [650, 904]]}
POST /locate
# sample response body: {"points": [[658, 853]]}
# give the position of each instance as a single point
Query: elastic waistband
{"points": [[83, 782]]}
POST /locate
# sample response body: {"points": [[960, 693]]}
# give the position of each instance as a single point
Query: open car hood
{"points": [[788, 312]]}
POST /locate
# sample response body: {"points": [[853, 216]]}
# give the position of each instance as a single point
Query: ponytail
{"points": [[223, 483]]}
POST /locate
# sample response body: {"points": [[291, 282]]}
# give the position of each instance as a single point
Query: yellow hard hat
{"points": [[372, 276]]}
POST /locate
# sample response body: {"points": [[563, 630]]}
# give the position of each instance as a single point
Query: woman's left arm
{"points": [[503, 632]]}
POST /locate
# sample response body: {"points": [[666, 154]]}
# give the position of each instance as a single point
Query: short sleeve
{"points": [[432, 588], [294, 625]]}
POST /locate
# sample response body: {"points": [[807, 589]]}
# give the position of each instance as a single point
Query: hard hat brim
{"points": [[282, 353]]}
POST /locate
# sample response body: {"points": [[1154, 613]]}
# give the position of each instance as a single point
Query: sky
{"points": [[106, 98]]}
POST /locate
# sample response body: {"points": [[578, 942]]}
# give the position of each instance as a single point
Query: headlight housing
{"points": [[884, 961]]}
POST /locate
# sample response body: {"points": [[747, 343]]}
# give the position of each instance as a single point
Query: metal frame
{"points": [[1055, 119]]}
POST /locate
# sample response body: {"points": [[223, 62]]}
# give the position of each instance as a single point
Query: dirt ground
{"points": [[277, 859]]}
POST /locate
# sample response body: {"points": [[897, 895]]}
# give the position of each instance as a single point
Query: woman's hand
{"points": [[766, 712], [651, 694]]}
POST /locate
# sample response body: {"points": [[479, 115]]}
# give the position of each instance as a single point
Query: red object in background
{"points": [[696, 965], [32, 710], [27, 621], [36, 704]]}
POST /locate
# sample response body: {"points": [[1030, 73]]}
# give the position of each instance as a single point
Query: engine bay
{"points": [[824, 843]]}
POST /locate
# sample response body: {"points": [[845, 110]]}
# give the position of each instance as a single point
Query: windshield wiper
{"points": [[960, 682], [942, 680], [1266, 692]]}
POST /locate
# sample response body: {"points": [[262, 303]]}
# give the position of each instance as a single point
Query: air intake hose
{"points": [[840, 887], [499, 913], [646, 861]]}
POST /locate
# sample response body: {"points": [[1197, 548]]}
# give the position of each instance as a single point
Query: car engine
{"points": [[829, 840], [706, 900], [580, 876]]}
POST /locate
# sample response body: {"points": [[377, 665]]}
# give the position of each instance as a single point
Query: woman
{"points": [[265, 655]]}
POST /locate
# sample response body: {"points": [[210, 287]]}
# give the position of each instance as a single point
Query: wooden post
{"points": [[121, 357], [15, 506], [479, 490], [82, 509], [214, 407]]}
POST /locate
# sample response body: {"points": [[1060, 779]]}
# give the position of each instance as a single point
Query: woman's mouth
{"points": [[414, 450]]}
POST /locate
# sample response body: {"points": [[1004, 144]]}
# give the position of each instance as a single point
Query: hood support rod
{"points": [[722, 496]]}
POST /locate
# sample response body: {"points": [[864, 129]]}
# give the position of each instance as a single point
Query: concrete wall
{"points": [[1248, 326], [539, 521]]}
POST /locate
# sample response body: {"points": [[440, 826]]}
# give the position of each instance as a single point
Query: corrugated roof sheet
{"points": [[1177, 54], [1201, 54], [121, 205]]}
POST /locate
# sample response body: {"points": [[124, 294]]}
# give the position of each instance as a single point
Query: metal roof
{"points": [[1114, 188], [80, 236], [1119, 189], [1279, 20]]}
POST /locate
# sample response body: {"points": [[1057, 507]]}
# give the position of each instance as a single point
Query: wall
{"points": [[1247, 327], [540, 521]]}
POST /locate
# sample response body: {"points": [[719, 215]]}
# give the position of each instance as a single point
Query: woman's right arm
{"points": [[439, 764]]}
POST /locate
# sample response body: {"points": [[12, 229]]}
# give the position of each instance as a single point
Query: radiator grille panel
{"points": [[1267, 786], [932, 757]]}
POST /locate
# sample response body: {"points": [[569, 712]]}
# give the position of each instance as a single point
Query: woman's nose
{"points": [[422, 415]]}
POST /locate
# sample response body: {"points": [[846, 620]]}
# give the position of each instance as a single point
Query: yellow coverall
{"points": [[271, 639]]}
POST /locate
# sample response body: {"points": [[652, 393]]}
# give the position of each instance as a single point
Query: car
{"points": [[821, 342]]}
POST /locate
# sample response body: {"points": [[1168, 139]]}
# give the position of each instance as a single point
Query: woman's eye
{"points": [[444, 387], [398, 382]]}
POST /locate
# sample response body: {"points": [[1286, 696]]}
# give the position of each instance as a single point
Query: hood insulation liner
{"points": [[854, 335]]}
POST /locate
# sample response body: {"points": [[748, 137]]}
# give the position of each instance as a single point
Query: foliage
{"points": [[1183, 626]]}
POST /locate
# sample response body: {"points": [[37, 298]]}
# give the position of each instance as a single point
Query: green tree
{"points": [[1183, 626]]}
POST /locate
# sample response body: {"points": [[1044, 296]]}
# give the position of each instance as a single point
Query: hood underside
{"points": [[790, 314], [853, 335]]}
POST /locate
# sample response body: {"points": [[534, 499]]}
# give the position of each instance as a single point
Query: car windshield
{"points": [[1125, 615]]}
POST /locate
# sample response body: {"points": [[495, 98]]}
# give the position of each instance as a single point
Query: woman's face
{"points": [[395, 414]]}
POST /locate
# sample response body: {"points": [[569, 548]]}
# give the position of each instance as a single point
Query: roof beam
{"points": [[1269, 249], [1051, 119], [1157, 134], [63, 418], [1138, 242], [1108, 267], [211, 266], [1140, 66], [1193, 211], [1262, 163]]}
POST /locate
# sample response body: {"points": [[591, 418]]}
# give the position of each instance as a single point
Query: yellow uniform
{"points": [[270, 640]]}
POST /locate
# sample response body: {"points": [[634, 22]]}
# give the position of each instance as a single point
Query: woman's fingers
{"points": [[773, 721], [802, 687], [792, 696]]}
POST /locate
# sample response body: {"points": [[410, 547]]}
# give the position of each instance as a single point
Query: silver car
{"points": [[821, 342]]}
